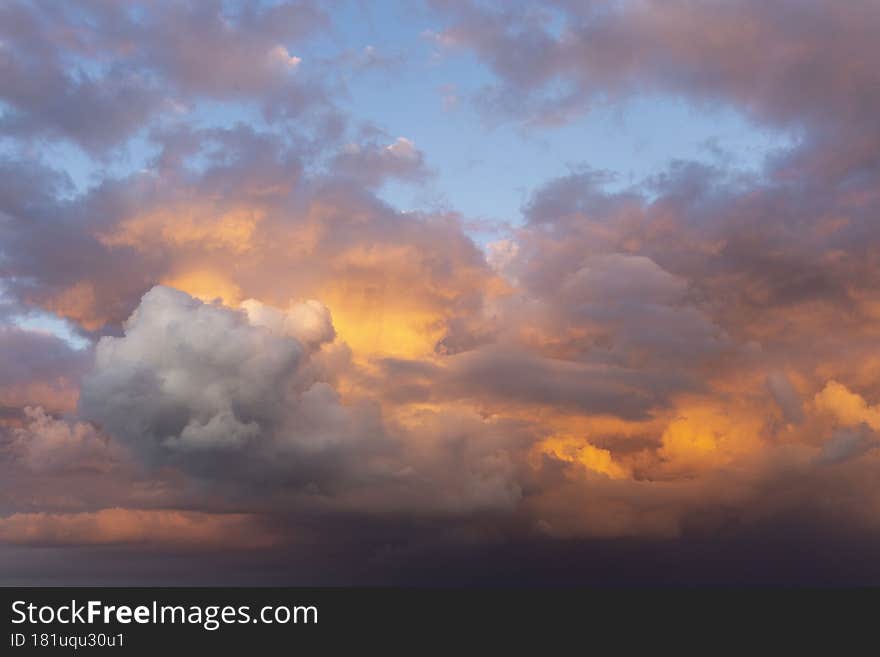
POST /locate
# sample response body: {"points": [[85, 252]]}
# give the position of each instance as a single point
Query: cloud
{"points": [[574, 450], [49, 445], [280, 56], [39, 368], [508, 376], [154, 528], [678, 362], [244, 398], [848, 408], [847, 444], [391, 279], [711, 434], [709, 50], [204, 388], [96, 74], [374, 163], [309, 322], [786, 396]]}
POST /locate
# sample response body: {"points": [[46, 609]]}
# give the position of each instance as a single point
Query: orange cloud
{"points": [[202, 224], [206, 285], [848, 408], [58, 395], [709, 434], [575, 450], [78, 302], [135, 526]]}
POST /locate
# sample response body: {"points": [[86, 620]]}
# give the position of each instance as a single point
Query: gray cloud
{"points": [[199, 386], [95, 73], [374, 163], [848, 444], [780, 62], [30, 357], [786, 396]]}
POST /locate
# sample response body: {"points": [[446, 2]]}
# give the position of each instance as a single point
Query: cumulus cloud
{"points": [[50, 445], [280, 56], [216, 390], [309, 322]]}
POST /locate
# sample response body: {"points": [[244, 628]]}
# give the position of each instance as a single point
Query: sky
{"points": [[440, 292]]}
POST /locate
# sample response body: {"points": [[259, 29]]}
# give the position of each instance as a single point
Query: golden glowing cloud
{"points": [[707, 434], [189, 224], [78, 303], [372, 325], [848, 408], [576, 450], [206, 285]]}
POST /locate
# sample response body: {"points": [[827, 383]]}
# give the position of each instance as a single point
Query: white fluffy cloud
{"points": [[215, 389], [403, 148], [308, 322]]}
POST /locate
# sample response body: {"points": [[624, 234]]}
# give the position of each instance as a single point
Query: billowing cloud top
{"points": [[243, 312]]}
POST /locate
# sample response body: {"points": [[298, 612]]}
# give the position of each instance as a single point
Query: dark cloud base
{"points": [[777, 555]]}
